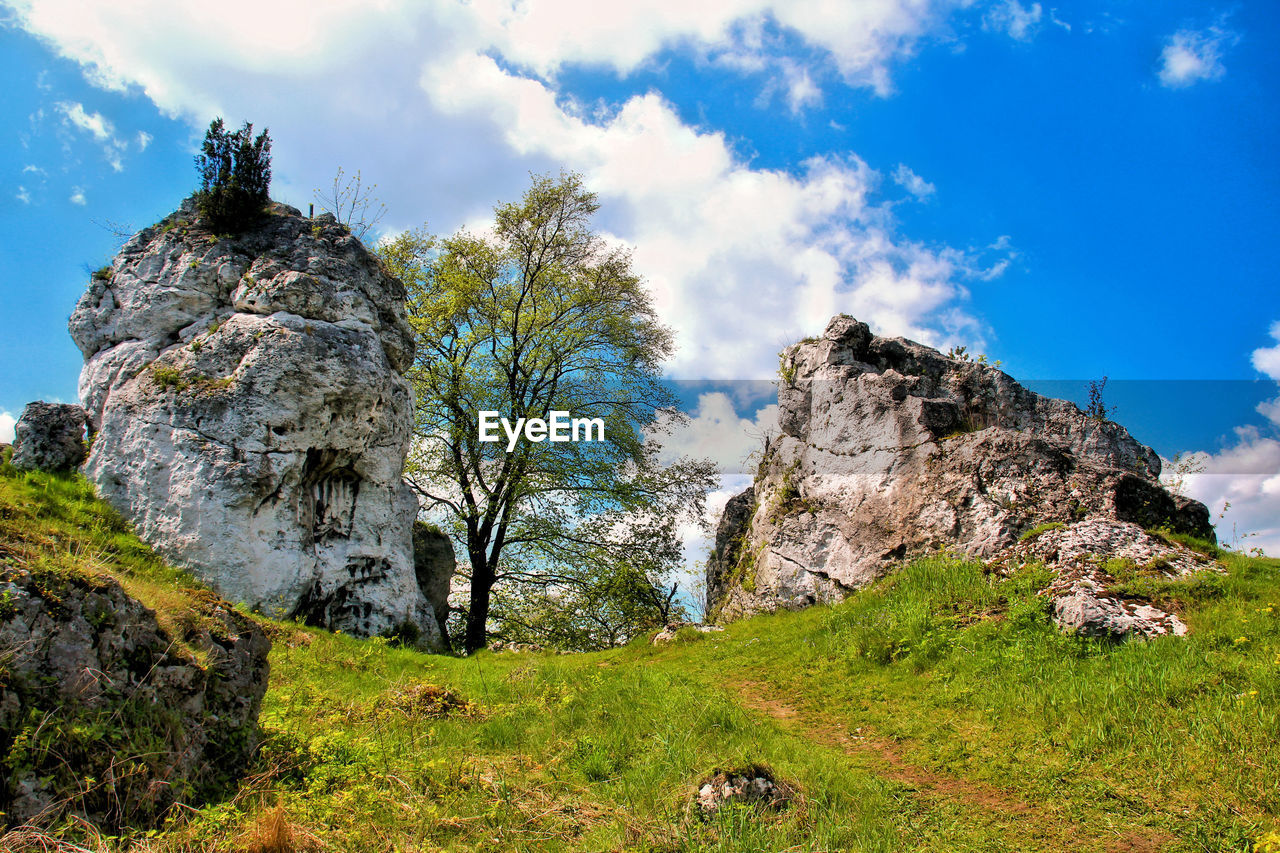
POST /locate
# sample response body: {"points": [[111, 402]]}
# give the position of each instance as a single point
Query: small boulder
{"points": [[747, 786], [49, 437], [671, 631]]}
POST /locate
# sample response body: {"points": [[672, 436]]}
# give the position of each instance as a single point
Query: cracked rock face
{"points": [[889, 450], [253, 418]]}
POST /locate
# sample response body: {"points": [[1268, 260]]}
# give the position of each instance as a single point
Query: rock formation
{"points": [[253, 418], [889, 449], [434, 563], [104, 714], [49, 437]]}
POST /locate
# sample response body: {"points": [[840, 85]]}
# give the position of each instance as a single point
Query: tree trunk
{"points": [[478, 612]]}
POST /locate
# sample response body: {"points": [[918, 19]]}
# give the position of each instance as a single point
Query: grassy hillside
{"points": [[939, 710]]}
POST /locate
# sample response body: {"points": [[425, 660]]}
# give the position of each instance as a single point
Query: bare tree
{"points": [[352, 203]]}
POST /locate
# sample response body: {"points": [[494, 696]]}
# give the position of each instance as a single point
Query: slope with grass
{"points": [[936, 710]]}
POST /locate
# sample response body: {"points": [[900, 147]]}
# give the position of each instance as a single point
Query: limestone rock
{"points": [[747, 786], [889, 449], [669, 632], [49, 437], [1081, 593], [79, 653], [253, 418], [433, 564]]}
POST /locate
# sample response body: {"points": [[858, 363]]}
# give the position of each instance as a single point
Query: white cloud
{"points": [[6, 427], [77, 196], [97, 125], [1193, 55], [1020, 22], [1267, 359], [715, 431], [23, 195], [1242, 483], [144, 139], [741, 260], [913, 183], [1241, 487]]}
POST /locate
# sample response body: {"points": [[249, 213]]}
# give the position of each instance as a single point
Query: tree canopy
{"points": [[537, 316], [235, 175]]}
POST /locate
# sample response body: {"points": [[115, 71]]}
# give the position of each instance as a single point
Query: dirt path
{"points": [[1022, 820]]}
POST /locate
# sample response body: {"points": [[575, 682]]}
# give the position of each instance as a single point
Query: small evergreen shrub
{"points": [[235, 176]]}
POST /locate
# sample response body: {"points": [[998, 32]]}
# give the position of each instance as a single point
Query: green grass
{"points": [[938, 710]]}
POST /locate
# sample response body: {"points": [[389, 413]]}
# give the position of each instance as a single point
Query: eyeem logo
{"points": [[561, 427]]}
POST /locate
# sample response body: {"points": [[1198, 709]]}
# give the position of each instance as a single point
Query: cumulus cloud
{"points": [[1267, 359], [1241, 484], [716, 431], [23, 195], [1011, 17], [1190, 56], [1241, 487], [77, 196], [913, 183], [6, 427], [741, 260]]}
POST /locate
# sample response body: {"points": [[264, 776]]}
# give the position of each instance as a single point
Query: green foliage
{"points": [[1040, 528], [102, 274], [544, 316], [604, 606], [168, 376], [786, 367], [235, 176], [937, 709]]}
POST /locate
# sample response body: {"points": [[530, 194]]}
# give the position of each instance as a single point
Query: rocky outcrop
{"points": [[253, 418], [49, 437], [1085, 557], [105, 714], [889, 449]]}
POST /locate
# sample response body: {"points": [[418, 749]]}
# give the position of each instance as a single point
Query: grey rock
{"points": [[49, 437], [77, 650], [749, 786], [253, 417], [1082, 597], [669, 632], [889, 450], [434, 564]]}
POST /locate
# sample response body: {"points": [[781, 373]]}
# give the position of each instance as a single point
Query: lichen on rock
{"points": [[253, 418]]}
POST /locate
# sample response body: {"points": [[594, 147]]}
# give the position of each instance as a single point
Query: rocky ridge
{"points": [[252, 415], [889, 449]]}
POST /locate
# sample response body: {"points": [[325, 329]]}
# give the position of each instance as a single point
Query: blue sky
{"points": [[1079, 191]]}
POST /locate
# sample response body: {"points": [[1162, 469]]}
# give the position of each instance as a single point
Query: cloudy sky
{"points": [[1079, 191]]}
